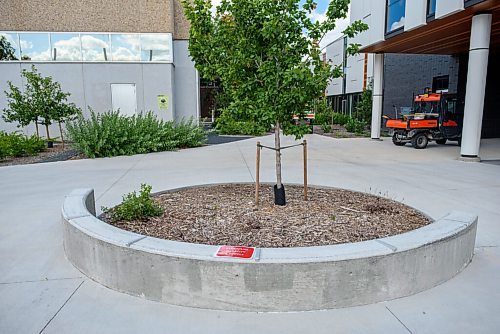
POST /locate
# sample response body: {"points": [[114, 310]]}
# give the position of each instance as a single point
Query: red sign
{"points": [[235, 251]]}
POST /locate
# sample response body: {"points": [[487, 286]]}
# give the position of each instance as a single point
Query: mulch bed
{"points": [[56, 153], [226, 215]]}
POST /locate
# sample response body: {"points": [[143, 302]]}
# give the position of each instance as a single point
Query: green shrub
{"points": [[326, 128], [323, 117], [135, 206], [340, 119], [111, 134], [227, 125], [17, 145], [353, 125]]}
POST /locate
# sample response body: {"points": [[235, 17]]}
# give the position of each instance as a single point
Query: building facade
{"points": [[109, 55], [467, 29]]}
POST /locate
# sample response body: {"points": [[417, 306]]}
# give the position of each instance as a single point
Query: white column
{"points": [[378, 83], [476, 84]]}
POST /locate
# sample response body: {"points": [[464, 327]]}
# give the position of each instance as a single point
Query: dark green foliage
{"points": [[340, 119], [364, 107], [135, 206], [227, 125], [111, 134], [356, 126], [7, 52], [18, 145]]}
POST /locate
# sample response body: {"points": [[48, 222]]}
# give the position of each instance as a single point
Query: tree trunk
{"points": [[62, 137], [279, 189], [47, 131], [278, 154], [37, 131]]}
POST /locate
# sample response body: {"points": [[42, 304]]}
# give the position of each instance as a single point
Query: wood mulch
{"points": [[56, 153], [226, 215]]}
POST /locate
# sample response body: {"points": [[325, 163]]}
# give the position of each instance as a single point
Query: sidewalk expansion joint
{"points": [[41, 280], [409, 331], [59, 310], [128, 244], [246, 164]]}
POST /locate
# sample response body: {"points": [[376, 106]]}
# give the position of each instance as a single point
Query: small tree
{"points": [[43, 102], [7, 52], [267, 56], [364, 106]]}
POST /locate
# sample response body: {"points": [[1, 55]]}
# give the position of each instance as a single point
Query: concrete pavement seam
{"points": [[119, 179], [245, 161], [67, 300], [41, 280], [388, 309]]}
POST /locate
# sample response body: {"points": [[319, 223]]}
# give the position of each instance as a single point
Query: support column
{"points": [[378, 83], [476, 85]]}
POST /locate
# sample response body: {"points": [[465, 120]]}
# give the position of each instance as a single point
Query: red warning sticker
{"points": [[235, 251]]}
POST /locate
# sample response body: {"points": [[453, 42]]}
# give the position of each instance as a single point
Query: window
{"points": [[66, 47], [395, 15], [440, 84], [431, 7], [10, 46], [95, 47], [125, 47], [156, 47], [35, 46]]}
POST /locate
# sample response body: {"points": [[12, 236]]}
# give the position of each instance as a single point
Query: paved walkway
{"points": [[41, 292]]}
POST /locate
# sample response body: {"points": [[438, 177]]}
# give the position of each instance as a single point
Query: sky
{"points": [[319, 14]]}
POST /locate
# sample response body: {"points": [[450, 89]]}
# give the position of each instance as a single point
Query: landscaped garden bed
{"points": [[226, 215]]}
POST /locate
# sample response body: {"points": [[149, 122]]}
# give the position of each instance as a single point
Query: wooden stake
{"points": [[305, 169], [257, 175], [62, 138]]}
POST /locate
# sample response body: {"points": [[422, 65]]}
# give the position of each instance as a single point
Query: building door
{"points": [[123, 97]]}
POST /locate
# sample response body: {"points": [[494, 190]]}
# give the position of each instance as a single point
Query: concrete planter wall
{"points": [[278, 279]]}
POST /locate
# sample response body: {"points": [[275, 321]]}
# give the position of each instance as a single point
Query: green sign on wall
{"points": [[163, 102]]}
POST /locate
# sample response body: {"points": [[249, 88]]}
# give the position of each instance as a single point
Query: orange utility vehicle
{"points": [[433, 117]]}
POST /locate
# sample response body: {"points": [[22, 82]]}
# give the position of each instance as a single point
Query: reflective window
{"points": [[125, 47], [66, 47], [9, 48], [395, 14], [431, 7], [155, 47], [34, 46], [95, 47]]}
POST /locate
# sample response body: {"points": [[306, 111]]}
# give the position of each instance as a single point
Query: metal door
{"points": [[123, 98]]}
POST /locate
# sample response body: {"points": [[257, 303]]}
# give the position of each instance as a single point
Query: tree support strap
{"points": [[279, 149]]}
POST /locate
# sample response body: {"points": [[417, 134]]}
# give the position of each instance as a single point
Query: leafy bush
{"points": [[226, 124], [326, 128], [135, 207], [340, 119], [323, 118], [364, 108], [111, 134], [353, 125], [18, 145]]}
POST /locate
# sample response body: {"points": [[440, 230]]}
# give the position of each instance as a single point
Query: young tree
{"points": [[267, 56], [7, 52], [43, 102]]}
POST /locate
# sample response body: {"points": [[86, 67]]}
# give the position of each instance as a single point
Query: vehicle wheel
{"points": [[396, 141], [441, 141], [419, 141]]}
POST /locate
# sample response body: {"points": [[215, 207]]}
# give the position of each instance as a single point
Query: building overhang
{"points": [[449, 35]]}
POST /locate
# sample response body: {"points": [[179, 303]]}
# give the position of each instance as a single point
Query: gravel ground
{"points": [[226, 215]]}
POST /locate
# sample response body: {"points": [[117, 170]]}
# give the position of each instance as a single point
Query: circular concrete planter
{"points": [[274, 279]]}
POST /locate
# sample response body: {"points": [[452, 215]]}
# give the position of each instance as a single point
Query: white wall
{"points": [[448, 7], [415, 14], [335, 55], [371, 12]]}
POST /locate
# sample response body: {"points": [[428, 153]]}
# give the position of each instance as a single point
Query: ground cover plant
{"points": [[18, 145], [135, 207], [111, 134]]}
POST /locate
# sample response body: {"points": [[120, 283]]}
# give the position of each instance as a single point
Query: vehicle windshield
{"points": [[426, 107]]}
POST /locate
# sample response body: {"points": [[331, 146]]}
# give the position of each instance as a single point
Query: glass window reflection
{"points": [[95, 47], [395, 14], [10, 45], [35, 46], [66, 47], [431, 7], [156, 47], [125, 47]]}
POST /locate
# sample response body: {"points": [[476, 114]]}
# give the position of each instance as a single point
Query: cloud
{"points": [[26, 45], [398, 24]]}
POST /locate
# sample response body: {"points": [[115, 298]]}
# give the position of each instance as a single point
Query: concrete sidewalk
{"points": [[42, 292]]}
